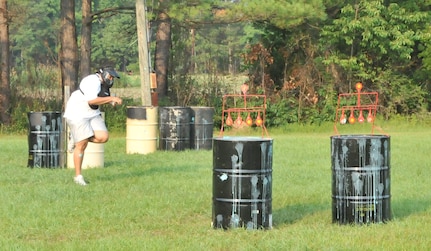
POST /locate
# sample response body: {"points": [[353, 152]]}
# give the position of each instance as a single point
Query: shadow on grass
{"points": [[399, 209], [293, 213], [407, 207]]}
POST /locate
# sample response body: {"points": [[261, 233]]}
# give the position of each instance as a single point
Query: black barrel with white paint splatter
{"points": [[174, 123], [361, 184], [44, 139], [242, 183], [201, 127]]}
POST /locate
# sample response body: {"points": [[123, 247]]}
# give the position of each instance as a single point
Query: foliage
{"points": [[301, 54], [20, 123], [37, 89], [280, 112], [36, 77], [116, 116], [376, 43], [282, 14], [115, 39], [36, 41]]}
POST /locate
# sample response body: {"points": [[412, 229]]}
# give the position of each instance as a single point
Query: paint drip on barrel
{"points": [[360, 179], [242, 183]]}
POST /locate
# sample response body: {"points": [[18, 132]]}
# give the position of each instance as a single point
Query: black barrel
{"points": [[44, 139], [361, 182], [174, 128], [242, 183], [201, 127]]}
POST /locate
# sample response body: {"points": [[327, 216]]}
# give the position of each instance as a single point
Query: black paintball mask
{"points": [[105, 73], [107, 83]]}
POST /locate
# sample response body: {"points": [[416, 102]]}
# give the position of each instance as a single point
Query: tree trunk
{"points": [[69, 46], [85, 65], [193, 66], [163, 46], [5, 66]]}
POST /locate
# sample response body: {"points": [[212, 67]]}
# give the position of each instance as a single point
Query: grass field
{"points": [[163, 201]]}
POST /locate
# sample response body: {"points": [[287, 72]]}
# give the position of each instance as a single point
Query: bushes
{"points": [[115, 117], [38, 90], [279, 113], [22, 106]]}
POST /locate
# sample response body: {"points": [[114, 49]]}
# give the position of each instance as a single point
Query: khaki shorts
{"points": [[84, 129]]}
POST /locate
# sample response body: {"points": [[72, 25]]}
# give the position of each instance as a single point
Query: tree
{"points": [[105, 42], [377, 43], [163, 47], [5, 67], [69, 47], [34, 33]]}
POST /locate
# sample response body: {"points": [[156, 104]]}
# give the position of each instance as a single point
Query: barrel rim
{"points": [[363, 199], [174, 107], [217, 199], [242, 138], [361, 168], [44, 132], [356, 136], [204, 107], [47, 112], [136, 106], [240, 171], [53, 151]]}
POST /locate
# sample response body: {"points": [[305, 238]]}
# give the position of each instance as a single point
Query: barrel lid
{"points": [[359, 136], [242, 138]]}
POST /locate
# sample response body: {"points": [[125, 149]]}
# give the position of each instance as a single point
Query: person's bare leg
{"points": [[78, 155], [100, 137]]}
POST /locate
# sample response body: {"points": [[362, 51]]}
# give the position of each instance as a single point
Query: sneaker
{"points": [[80, 180], [70, 145]]}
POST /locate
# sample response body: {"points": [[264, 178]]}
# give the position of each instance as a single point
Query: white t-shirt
{"points": [[77, 106]]}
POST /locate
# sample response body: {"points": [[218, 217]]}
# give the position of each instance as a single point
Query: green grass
{"points": [[163, 201]]}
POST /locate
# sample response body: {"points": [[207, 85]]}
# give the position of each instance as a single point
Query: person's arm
{"points": [[106, 100]]}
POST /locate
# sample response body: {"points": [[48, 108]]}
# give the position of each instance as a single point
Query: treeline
{"points": [[301, 54]]}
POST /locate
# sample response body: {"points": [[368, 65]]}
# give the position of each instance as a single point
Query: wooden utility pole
{"points": [[144, 62], [85, 64]]}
